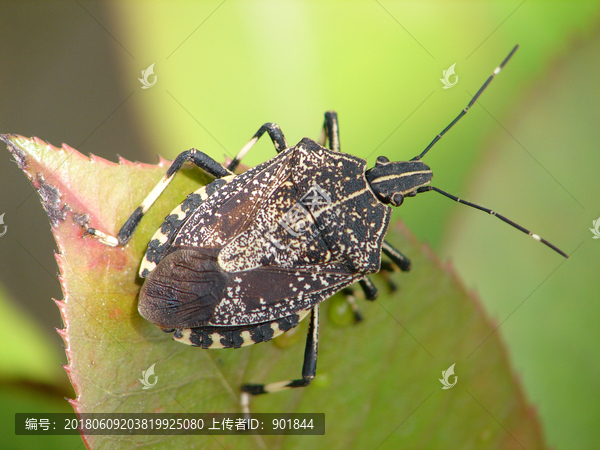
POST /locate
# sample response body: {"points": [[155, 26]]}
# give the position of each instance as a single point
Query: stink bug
{"points": [[248, 256]]}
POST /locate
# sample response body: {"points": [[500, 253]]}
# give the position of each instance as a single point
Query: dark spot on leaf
{"points": [[82, 220], [19, 155], [51, 201]]}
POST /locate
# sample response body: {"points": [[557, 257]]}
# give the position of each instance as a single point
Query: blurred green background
{"points": [[528, 149]]}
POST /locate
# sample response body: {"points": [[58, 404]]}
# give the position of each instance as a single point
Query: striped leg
{"points": [[309, 368], [274, 133], [200, 159], [330, 131]]}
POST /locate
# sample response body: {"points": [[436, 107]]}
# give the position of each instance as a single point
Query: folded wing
{"points": [[189, 289]]}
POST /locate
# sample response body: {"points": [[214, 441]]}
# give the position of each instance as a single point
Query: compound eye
{"points": [[382, 160], [397, 199]]}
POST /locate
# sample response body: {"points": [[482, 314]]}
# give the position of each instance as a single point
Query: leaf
{"points": [[377, 381]]}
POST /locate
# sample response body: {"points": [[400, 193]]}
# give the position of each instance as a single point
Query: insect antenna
{"points": [[493, 213], [473, 100]]}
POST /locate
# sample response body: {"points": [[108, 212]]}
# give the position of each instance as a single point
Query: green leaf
{"points": [[377, 381]]}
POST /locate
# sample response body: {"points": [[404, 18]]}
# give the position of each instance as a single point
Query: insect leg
{"points": [[398, 261], [386, 268], [276, 136], [200, 159], [368, 288], [349, 293], [331, 131], [397, 258], [370, 294], [309, 368]]}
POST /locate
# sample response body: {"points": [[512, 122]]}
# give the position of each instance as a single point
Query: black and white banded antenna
{"points": [[493, 213], [464, 202], [471, 103]]}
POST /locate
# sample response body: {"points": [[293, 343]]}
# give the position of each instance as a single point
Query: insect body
{"points": [[306, 222], [248, 256]]}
